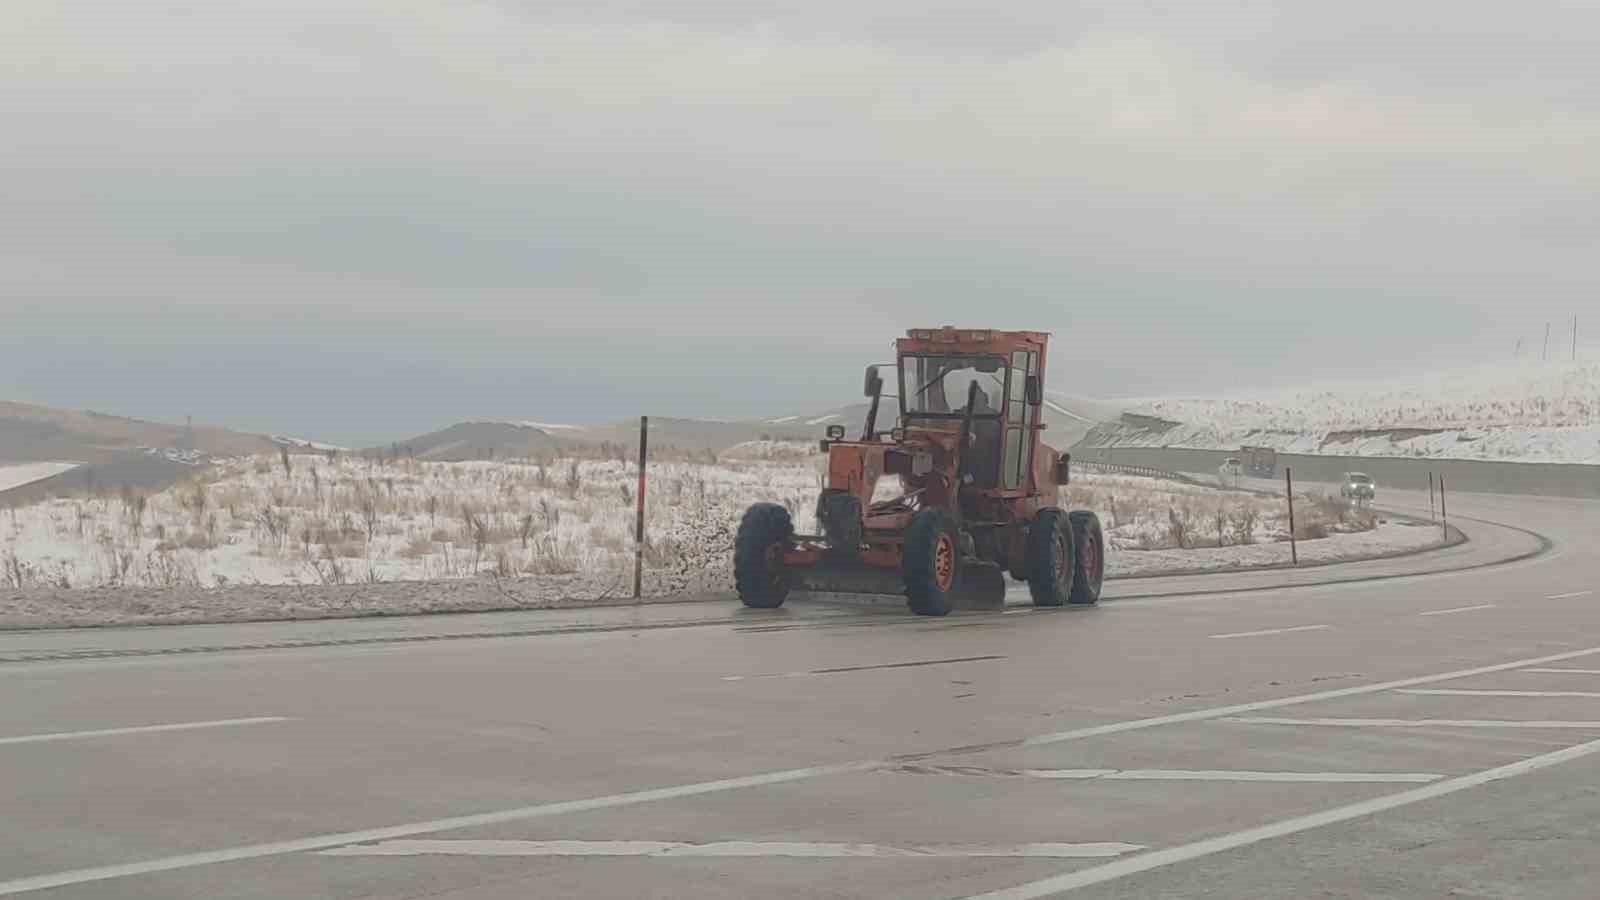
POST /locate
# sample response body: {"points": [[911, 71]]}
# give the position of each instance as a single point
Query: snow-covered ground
{"points": [[1527, 412], [27, 473], [1389, 537], [347, 519], [248, 521]]}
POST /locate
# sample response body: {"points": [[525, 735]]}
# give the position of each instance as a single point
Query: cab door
{"points": [[1021, 417]]}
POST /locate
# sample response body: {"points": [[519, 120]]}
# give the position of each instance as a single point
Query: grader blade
{"points": [[980, 587]]}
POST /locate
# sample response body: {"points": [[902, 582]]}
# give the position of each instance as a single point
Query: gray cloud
{"points": [[726, 206]]}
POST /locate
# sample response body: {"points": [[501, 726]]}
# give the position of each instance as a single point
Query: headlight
{"points": [[835, 432]]}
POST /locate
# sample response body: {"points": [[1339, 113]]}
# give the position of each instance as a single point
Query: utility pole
{"points": [[638, 529], [1517, 353], [1288, 490], [1574, 338], [1545, 357]]}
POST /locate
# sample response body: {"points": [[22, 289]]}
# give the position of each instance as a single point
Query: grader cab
{"points": [[977, 490]]}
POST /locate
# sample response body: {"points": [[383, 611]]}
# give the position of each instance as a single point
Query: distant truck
{"points": [[1259, 462]]}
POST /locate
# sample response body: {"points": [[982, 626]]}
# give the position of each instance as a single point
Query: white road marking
{"points": [[1496, 693], [138, 729], [1179, 775], [1276, 777], [1417, 723], [1565, 671], [1161, 858], [324, 841], [1570, 596], [676, 849], [327, 841], [1243, 634], [1456, 609]]}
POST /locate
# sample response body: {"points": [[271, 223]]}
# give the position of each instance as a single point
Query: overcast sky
{"points": [[357, 220]]}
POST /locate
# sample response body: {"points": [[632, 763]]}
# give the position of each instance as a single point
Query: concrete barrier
{"points": [[1475, 476]]}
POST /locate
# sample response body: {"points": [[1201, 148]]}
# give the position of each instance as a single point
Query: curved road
{"points": [[1426, 726]]}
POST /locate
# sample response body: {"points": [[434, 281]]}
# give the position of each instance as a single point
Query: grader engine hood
{"points": [[855, 467]]}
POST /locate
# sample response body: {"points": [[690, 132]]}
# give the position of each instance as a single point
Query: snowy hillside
{"points": [[1525, 413]]}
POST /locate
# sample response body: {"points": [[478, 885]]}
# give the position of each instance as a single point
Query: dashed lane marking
{"points": [[1177, 775], [679, 849], [839, 670], [138, 729], [1416, 723], [1456, 609], [1442, 692], [1267, 631]]}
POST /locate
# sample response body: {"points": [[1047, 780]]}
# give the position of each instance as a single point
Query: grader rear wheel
{"points": [[1051, 562], [1089, 557]]}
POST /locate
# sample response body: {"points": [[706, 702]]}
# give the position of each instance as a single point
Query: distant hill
{"points": [[477, 440], [112, 452], [1068, 419], [30, 433]]}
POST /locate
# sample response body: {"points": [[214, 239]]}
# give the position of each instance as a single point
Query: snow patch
{"points": [[28, 473], [549, 426], [303, 443], [1527, 412]]}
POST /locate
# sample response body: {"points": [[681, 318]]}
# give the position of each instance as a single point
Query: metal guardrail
{"points": [[1124, 469]]}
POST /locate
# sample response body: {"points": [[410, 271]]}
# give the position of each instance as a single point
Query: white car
{"points": [[1358, 486], [1230, 471]]}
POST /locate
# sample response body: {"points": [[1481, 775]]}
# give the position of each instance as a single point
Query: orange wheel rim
{"points": [[944, 563]]}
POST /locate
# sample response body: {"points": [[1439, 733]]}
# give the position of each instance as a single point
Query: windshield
{"points": [[938, 385], [1360, 479]]}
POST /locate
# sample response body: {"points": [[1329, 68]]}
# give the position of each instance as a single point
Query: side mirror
{"points": [[1064, 468], [872, 385], [1033, 390]]}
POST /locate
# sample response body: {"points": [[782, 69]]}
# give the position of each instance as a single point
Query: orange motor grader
{"points": [[977, 491]]}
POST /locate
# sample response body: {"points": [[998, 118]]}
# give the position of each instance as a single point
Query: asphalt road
{"points": [[1427, 726]]}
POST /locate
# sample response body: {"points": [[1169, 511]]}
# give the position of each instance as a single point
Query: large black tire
{"points": [[1051, 562], [1088, 557], [839, 514], [760, 577], [932, 563]]}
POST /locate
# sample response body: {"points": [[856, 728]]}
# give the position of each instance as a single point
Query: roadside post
{"points": [[1444, 514], [1288, 489], [638, 529], [1431, 516]]}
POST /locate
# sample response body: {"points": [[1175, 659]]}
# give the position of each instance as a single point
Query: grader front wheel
{"points": [[758, 570], [932, 563]]}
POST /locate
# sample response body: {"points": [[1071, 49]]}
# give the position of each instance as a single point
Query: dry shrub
{"points": [[352, 548], [550, 556], [1245, 519], [1310, 531], [198, 540], [416, 548], [600, 537]]}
